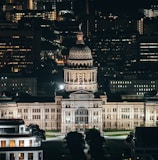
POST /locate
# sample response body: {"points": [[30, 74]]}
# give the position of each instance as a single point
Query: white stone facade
{"points": [[80, 74], [60, 115], [80, 79], [16, 143], [81, 111]]}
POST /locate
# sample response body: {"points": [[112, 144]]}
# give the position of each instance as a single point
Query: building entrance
{"points": [[81, 119]]}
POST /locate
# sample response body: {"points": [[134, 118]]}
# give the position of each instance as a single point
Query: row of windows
{"points": [[124, 110], [121, 82], [21, 156], [12, 143], [125, 125], [111, 109], [145, 87], [81, 112], [94, 105], [37, 110], [54, 116], [36, 117], [81, 120], [123, 116], [50, 117], [129, 82]]}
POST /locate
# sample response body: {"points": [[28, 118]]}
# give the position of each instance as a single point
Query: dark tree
{"points": [[76, 144], [96, 144], [36, 131]]}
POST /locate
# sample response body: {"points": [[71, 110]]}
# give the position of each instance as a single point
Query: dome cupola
{"points": [[79, 73], [80, 54]]}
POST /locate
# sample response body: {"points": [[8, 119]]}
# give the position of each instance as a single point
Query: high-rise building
{"points": [[14, 84], [114, 53], [19, 50], [151, 11], [133, 85], [148, 49], [15, 9]]}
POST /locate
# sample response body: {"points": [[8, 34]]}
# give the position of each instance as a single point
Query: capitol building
{"points": [[80, 107]]}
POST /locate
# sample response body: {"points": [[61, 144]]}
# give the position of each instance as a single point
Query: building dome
{"points": [[80, 54], [80, 51], [79, 73]]}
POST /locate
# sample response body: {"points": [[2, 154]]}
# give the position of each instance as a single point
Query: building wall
{"points": [[26, 85], [46, 115], [110, 115], [80, 112], [8, 110], [123, 115], [133, 86], [20, 50]]}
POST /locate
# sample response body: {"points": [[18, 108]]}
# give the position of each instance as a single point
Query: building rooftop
{"points": [[11, 121]]}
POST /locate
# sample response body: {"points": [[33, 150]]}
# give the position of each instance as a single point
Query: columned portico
{"points": [[81, 111]]}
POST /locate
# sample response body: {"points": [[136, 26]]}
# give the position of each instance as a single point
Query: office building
{"points": [[114, 54], [17, 143], [148, 49], [133, 86], [19, 50], [17, 84]]}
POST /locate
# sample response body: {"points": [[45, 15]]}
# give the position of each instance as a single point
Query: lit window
{"points": [[3, 143], [21, 143], [21, 156], [12, 143]]}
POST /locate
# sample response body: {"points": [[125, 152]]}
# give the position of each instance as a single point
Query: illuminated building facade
{"points": [[81, 111], [45, 15], [17, 143], [114, 53], [148, 49], [82, 108], [133, 86], [80, 73], [18, 85], [15, 10], [151, 11], [19, 50]]}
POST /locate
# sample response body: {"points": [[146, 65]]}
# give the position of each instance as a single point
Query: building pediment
{"points": [[82, 95]]}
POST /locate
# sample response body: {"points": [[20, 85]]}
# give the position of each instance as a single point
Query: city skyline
{"points": [[108, 67], [122, 47]]}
